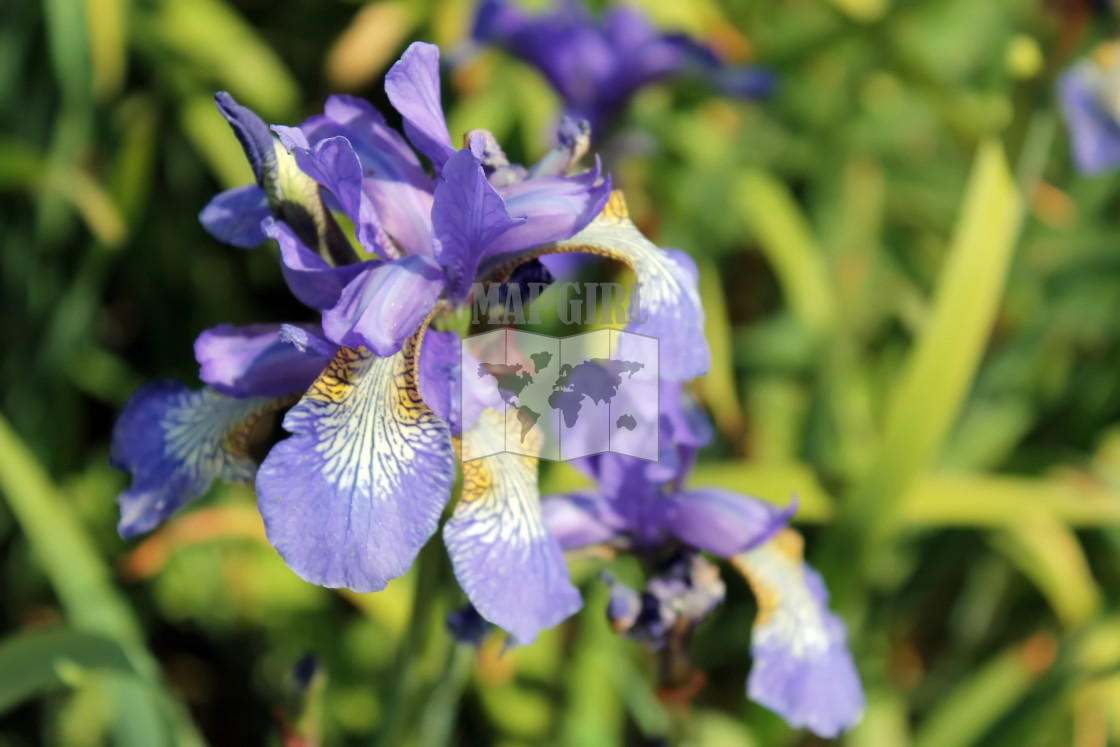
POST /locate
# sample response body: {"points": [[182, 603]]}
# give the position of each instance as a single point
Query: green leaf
{"points": [[83, 583], [985, 695], [1048, 553], [34, 663], [939, 371], [782, 229]]}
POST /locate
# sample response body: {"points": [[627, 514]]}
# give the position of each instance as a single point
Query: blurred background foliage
{"points": [[913, 305]]}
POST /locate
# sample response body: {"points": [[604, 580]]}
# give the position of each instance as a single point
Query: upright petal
{"points": [[413, 88], [353, 494], [722, 522], [393, 178], [469, 215], [234, 216], [175, 442], [310, 277], [334, 165], [511, 568], [255, 361], [802, 668], [669, 298], [252, 132], [555, 208], [383, 306]]}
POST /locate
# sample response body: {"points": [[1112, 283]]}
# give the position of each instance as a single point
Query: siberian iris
{"points": [[1089, 93], [598, 65], [370, 391], [802, 668]]}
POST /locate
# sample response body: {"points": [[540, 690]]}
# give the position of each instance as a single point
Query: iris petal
{"points": [[670, 300], [721, 521], [385, 304], [802, 670], [175, 442], [509, 565], [234, 216], [469, 216], [413, 88], [353, 494], [392, 172], [310, 277], [254, 361], [1094, 134]]}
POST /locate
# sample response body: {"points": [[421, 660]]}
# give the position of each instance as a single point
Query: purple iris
{"points": [[802, 667], [596, 67], [1089, 93], [361, 482]]}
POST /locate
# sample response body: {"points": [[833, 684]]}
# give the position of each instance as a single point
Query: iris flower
{"points": [[1089, 93], [596, 67], [360, 484], [802, 667]]}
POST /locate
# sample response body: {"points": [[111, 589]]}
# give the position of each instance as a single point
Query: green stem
{"points": [[409, 681]]}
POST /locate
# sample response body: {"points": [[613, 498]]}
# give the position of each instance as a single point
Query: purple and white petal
{"points": [[802, 670], [413, 88], [385, 304], [722, 522], [234, 216], [254, 361], [310, 278], [353, 494], [469, 216], [509, 565], [175, 442], [669, 298]]}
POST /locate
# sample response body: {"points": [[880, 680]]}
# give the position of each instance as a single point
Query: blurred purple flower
{"points": [[1089, 94], [597, 66], [802, 667]]}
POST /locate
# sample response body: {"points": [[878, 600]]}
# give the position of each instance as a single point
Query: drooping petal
{"points": [[393, 178], [802, 670], [383, 306], [722, 522], [308, 340], [442, 385], [175, 442], [555, 208], [254, 361], [508, 564], [413, 88], [1094, 132], [234, 216], [353, 494], [469, 216], [580, 520], [669, 298], [310, 278]]}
